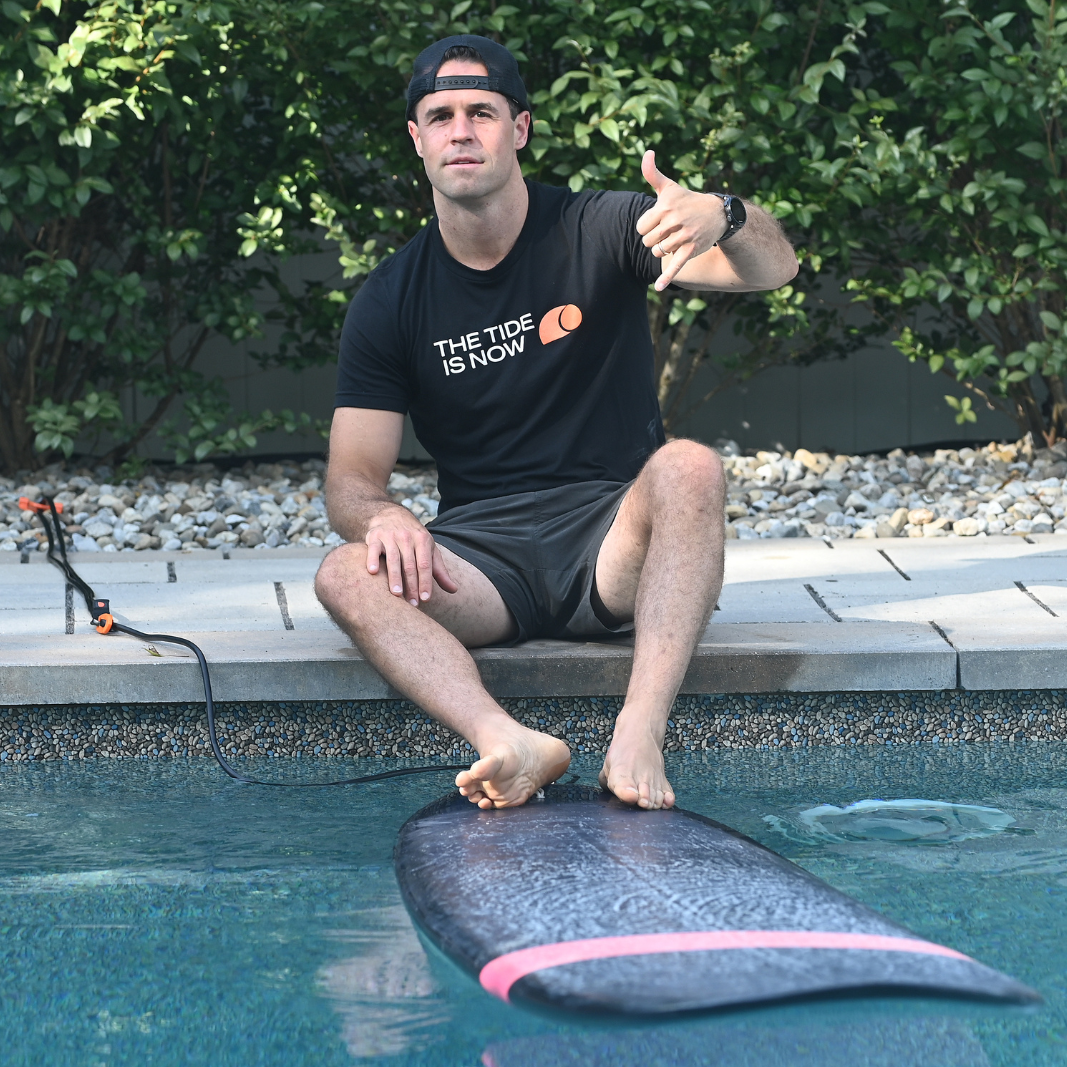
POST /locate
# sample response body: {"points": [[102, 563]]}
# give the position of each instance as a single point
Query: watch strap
{"points": [[733, 222]]}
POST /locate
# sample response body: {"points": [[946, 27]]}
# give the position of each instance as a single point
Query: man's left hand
{"points": [[683, 224]]}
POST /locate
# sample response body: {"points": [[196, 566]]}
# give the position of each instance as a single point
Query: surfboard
{"points": [[576, 901]]}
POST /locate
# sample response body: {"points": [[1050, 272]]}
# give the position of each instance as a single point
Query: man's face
{"points": [[467, 137]]}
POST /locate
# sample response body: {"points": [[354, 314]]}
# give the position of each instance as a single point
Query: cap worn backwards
{"points": [[503, 72]]}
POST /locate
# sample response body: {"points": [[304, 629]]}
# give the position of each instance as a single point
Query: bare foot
{"points": [[633, 767], [513, 768]]}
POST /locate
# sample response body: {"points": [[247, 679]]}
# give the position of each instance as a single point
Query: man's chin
{"points": [[463, 186]]}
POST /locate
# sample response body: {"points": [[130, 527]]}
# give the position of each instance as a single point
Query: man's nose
{"points": [[462, 128]]}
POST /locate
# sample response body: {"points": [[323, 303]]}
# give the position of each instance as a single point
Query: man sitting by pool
{"points": [[514, 330]]}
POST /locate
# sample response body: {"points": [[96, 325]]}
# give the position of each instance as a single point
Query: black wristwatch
{"points": [[736, 216]]}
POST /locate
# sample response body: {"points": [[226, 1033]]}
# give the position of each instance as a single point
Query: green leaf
{"points": [[610, 129], [1037, 224], [1051, 321], [1033, 149]]}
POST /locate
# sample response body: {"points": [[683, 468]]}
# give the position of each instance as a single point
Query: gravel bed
{"points": [[1002, 489], [395, 728], [263, 506], [1006, 489]]}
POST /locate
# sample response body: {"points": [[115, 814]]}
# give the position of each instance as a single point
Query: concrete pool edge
{"points": [[396, 729], [263, 665]]}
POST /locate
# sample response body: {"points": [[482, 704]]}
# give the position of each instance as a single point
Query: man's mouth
{"points": [[463, 161]]}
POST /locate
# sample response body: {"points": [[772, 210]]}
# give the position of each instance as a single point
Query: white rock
{"points": [[966, 527], [171, 545], [774, 528], [429, 505], [11, 546], [746, 533], [85, 544]]}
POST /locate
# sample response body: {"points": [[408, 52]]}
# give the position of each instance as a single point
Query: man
{"points": [[514, 330]]}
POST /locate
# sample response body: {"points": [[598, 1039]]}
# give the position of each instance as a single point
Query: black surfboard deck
{"points": [[579, 902]]}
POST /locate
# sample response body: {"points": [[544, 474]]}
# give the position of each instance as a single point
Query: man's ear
{"points": [[413, 129], [522, 129]]}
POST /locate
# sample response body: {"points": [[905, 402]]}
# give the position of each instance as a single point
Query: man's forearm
{"points": [[759, 252], [352, 501]]}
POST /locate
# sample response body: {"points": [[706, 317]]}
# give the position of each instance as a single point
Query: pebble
{"points": [[999, 490], [259, 506], [395, 728]]}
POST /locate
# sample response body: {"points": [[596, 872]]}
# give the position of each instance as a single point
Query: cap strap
{"points": [[461, 81]]}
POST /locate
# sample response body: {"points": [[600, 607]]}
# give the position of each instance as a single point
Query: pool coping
{"points": [[797, 617]]}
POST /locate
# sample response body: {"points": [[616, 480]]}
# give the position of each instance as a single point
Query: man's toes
{"points": [[486, 768], [626, 791]]}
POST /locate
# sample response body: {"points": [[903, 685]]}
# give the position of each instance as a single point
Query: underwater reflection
{"points": [[932, 1042], [388, 1000]]}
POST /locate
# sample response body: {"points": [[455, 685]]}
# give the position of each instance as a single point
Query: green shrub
{"points": [[163, 159], [961, 258]]}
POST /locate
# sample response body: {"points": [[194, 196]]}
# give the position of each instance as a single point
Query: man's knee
{"points": [[687, 471], [343, 581]]}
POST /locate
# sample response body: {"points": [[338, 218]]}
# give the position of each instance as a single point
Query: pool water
{"points": [[159, 913]]}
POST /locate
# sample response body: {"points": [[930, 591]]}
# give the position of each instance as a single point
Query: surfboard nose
{"points": [[598, 907]]}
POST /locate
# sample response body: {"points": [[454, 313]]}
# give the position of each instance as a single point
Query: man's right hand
{"points": [[412, 560]]}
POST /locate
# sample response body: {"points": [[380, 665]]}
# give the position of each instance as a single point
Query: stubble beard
{"points": [[468, 190]]}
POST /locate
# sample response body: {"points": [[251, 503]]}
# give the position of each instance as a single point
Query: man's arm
{"points": [[364, 446], [682, 231]]}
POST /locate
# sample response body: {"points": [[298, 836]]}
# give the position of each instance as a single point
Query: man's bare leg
{"points": [[661, 565], [420, 652]]}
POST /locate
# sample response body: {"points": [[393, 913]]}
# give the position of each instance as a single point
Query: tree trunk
{"points": [[1027, 411], [1057, 428]]}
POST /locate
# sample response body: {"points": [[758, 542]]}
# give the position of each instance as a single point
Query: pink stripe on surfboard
{"points": [[499, 975]]}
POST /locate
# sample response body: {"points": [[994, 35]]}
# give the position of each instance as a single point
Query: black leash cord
{"points": [[105, 623]]}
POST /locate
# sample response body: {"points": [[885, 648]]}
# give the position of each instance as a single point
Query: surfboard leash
{"points": [[105, 623]]}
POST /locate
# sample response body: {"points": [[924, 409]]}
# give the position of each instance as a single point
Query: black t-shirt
{"points": [[534, 374]]}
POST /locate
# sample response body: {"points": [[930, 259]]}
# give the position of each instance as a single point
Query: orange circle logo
{"points": [[559, 322]]}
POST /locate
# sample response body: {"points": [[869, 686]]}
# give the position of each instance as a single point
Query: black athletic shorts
{"points": [[539, 550]]}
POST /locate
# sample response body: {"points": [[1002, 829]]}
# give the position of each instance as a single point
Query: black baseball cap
{"points": [[503, 71]]}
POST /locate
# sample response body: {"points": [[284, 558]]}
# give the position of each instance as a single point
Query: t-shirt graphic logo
{"points": [[559, 322]]}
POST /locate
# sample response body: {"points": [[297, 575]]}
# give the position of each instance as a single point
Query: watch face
{"points": [[735, 211]]}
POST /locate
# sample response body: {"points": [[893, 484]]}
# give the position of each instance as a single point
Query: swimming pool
{"points": [[155, 912]]}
